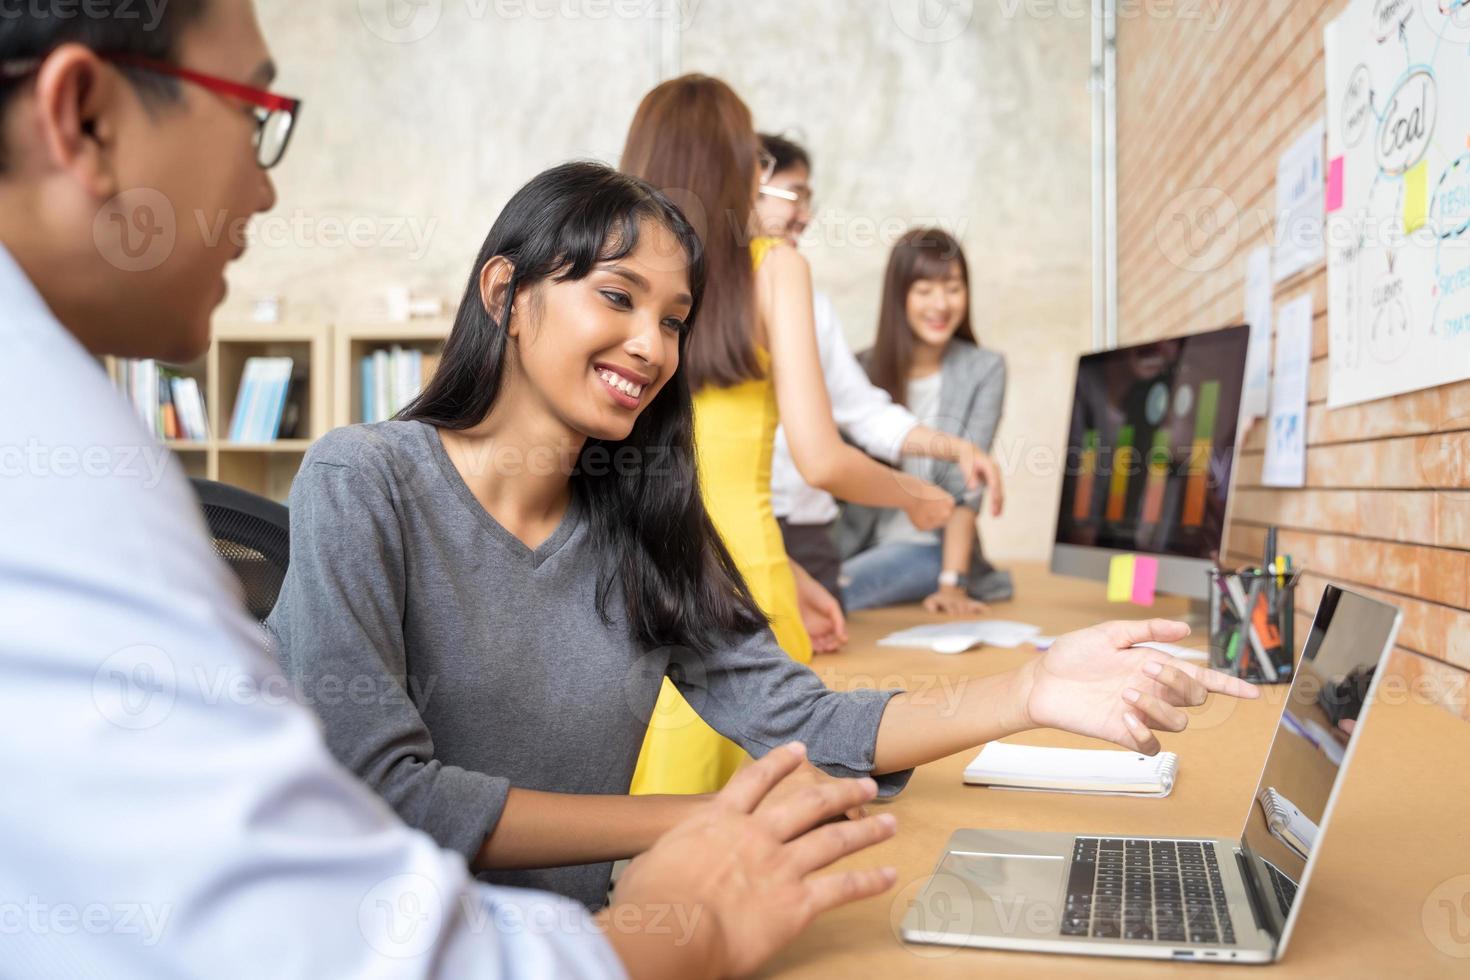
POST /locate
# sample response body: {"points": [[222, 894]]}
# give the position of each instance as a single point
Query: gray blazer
{"points": [[972, 387]]}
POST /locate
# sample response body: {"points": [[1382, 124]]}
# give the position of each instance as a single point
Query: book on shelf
{"points": [[170, 403], [392, 377], [260, 402]]}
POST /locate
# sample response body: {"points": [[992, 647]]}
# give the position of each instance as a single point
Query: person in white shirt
{"points": [[172, 809], [865, 413]]}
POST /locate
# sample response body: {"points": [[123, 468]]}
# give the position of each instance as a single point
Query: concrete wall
{"points": [[971, 114]]}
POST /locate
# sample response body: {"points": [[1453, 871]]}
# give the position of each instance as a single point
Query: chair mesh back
{"points": [[252, 535]]}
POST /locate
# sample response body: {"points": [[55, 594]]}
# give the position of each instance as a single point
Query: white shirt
{"points": [[922, 397], [169, 809], [864, 413]]}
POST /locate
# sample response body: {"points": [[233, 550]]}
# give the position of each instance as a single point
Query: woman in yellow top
{"points": [[753, 362]]}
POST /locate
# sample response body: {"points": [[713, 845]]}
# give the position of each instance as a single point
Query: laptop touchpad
{"points": [[1009, 894]]}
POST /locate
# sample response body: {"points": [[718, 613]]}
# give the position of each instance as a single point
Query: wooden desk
{"points": [[1390, 895]]}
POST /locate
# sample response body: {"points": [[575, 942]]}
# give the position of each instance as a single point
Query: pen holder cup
{"points": [[1252, 619]]}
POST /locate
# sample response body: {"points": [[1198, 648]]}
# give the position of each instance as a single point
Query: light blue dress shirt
{"points": [[169, 810]]}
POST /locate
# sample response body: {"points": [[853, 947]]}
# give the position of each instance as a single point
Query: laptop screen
{"points": [[1347, 643]]}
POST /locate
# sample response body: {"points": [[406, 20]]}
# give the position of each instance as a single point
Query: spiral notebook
{"points": [[1102, 772], [1287, 823]]}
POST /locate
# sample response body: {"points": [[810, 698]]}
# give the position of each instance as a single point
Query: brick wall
{"points": [[1209, 101]]}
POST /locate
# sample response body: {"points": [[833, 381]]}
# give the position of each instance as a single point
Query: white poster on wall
{"points": [[1286, 440], [1299, 177], [1255, 398], [1398, 198]]}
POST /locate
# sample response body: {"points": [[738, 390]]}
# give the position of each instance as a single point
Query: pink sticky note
{"points": [[1145, 579], [1334, 185]]}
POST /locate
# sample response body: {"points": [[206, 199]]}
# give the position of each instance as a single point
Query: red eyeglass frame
{"points": [[221, 86], [270, 101]]}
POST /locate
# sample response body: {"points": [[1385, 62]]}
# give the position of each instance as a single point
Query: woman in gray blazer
{"points": [[926, 358]]}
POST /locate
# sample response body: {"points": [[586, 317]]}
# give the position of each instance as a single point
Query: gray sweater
{"points": [[972, 388], [449, 662]]}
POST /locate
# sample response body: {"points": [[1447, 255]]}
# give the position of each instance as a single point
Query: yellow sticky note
{"points": [[1416, 197], [1120, 579]]}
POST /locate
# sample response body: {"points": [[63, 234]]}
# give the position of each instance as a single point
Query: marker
{"points": [[1269, 567], [1267, 665]]}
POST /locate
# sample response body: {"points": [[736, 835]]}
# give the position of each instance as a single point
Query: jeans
{"points": [[904, 572], [891, 575]]}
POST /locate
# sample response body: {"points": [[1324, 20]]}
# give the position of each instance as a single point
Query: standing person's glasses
{"points": [[767, 165], [801, 196], [275, 115]]}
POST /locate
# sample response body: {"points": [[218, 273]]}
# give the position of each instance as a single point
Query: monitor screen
{"points": [[1152, 445], [1342, 653]]}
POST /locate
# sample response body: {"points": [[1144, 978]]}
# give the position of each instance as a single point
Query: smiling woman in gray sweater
{"points": [[926, 358], [484, 596]]}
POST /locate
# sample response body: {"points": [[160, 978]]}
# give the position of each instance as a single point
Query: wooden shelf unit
{"points": [[327, 362], [354, 341], [263, 468]]}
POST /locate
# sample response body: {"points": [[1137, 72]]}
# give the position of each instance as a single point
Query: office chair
{"points": [[253, 536]]}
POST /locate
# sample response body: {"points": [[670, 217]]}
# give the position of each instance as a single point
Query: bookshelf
{"points": [[265, 468], [326, 390], [354, 341]]}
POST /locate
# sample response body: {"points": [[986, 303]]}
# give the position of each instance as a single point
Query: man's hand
{"points": [[1095, 682], [804, 777], [979, 468], [929, 508], [744, 874]]}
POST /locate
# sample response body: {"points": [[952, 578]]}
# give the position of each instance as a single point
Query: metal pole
{"points": [[1097, 83], [1110, 158]]}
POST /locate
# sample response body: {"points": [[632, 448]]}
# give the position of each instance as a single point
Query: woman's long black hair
{"points": [[679, 584]]}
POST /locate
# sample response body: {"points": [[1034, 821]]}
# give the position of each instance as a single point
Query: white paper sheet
{"points": [[946, 637], [1286, 440], [1398, 225], [1300, 180], [1255, 399]]}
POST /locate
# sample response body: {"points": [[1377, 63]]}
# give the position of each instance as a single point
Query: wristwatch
{"points": [[952, 580]]}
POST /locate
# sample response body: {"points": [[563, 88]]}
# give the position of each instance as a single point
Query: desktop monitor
{"points": [[1149, 458]]}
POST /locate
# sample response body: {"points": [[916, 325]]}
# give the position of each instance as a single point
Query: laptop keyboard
{"points": [[1149, 890], [1285, 889]]}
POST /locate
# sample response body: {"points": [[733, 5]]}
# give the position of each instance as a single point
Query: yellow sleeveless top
{"points": [[734, 435]]}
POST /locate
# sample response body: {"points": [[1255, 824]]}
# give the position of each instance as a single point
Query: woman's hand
{"points": [[951, 600], [743, 877], [821, 613], [1096, 682]]}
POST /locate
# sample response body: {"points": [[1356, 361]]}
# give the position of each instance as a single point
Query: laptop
{"points": [[1179, 898]]}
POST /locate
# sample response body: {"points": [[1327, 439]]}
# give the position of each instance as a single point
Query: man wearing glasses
{"points": [[167, 814], [864, 413]]}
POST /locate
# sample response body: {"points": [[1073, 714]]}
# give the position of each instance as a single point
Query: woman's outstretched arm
{"points": [[1093, 682]]}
